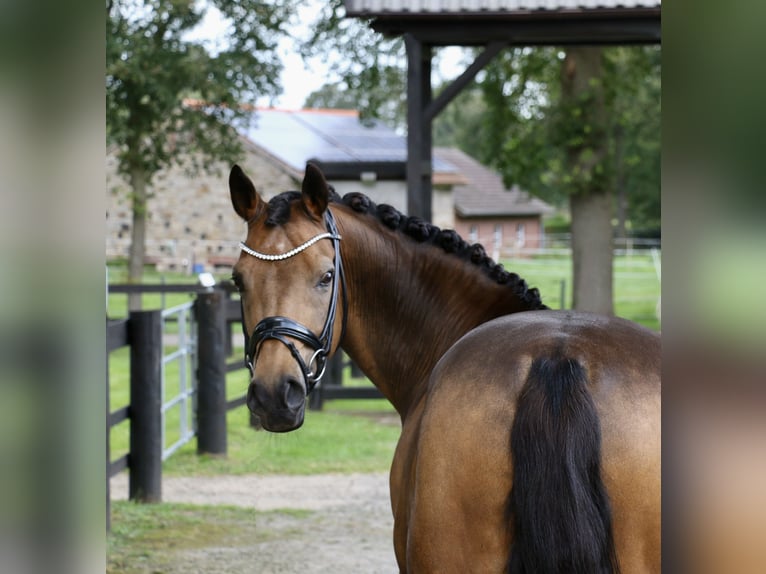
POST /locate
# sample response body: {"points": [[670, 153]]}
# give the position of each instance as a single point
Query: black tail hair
{"points": [[558, 506]]}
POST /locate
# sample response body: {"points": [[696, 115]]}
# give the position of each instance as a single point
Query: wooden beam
{"points": [[419, 128], [480, 32], [449, 93]]}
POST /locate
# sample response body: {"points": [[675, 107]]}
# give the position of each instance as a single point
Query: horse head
{"points": [[288, 275]]}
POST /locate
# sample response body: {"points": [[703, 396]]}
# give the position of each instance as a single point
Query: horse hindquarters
{"points": [[558, 505]]}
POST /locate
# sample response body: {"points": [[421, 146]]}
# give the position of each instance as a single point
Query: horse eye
{"points": [[237, 279], [326, 279]]}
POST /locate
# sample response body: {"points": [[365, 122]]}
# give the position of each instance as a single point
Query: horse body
{"points": [[530, 439]]}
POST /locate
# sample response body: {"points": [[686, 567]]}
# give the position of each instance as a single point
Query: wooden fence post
{"points": [[211, 372], [145, 483]]}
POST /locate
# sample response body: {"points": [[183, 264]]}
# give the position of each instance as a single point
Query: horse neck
{"points": [[408, 303]]}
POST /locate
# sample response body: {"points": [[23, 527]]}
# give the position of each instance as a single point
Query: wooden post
{"points": [[227, 336], [145, 483], [418, 128], [210, 310]]}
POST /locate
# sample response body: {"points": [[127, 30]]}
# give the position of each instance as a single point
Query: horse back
{"points": [[463, 464]]}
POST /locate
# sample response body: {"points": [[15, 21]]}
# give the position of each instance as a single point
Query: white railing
{"points": [[185, 355]]}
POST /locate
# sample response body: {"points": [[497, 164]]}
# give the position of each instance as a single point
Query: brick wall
{"points": [[502, 237]]}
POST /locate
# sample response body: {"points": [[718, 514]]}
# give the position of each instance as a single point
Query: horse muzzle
{"points": [[281, 407]]}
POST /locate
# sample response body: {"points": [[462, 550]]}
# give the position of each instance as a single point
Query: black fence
{"points": [[142, 332], [216, 314]]}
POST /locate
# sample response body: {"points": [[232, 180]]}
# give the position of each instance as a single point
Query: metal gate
{"points": [[182, 359]]}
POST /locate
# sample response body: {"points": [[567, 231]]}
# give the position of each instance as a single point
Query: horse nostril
{"points": [[252, 400], [294, 393]]}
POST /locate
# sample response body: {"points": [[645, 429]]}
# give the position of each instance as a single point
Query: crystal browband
{"points": [[287, 254]]}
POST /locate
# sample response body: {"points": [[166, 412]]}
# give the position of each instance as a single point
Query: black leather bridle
{"points": [[283, 329]]}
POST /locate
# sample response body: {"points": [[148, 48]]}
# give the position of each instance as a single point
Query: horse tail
{"points": [[558, 506]]}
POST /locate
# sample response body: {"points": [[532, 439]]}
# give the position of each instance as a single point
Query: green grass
{"points": [[347, 436], [327, 442], [636, 286], [147, 537]]}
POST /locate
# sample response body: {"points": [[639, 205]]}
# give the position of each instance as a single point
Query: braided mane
{"points": [[278, 213]]}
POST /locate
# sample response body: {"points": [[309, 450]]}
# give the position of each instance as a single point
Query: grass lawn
{"points": [[347, 436], [145, 537], [636, 285]]}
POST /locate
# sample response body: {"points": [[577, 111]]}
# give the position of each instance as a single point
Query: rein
{"points": [[283, 329]]}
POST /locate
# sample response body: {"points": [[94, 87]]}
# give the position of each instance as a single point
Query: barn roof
{"points": [[343, 145], [485, 194]]}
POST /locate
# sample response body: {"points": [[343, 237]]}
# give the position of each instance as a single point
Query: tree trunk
{"points": [[590, 193], [592, 252], [619, 182], [138, 235]]}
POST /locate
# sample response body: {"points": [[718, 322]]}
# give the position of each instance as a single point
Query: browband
{"points": [[287, 254]]}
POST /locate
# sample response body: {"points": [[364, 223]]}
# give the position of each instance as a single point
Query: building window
{"points": [[498, 235], [521, 238], [473, 234]]}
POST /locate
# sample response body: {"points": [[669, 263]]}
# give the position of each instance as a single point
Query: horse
{"points": [[530, 437]]}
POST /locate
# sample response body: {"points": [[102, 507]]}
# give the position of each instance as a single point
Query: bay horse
{"points": [[530, 437]]}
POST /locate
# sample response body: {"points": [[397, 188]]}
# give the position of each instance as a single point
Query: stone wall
{"points": [[191, 223], [190, 220]]}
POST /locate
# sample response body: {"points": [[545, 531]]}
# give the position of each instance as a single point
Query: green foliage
{"points": [[371, 68], [151, 67], [537, 133], [332, 97], [557, 224], [461, 123]]}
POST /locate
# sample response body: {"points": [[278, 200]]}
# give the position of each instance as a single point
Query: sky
{"points": [[298, 80]]}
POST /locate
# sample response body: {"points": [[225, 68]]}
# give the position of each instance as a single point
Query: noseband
{"points": [[283, 329]]}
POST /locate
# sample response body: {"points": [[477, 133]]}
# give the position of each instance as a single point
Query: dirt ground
{"points": [[348, 529]]}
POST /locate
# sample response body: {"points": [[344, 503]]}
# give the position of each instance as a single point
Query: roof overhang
{"points": [[607, 25], [380, 171], [495, 213]]}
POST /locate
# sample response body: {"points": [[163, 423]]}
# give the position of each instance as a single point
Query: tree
{"points": [[634, 87], [461, 123], [332, 97], [152, 68], [371, 68], [581, 125]]}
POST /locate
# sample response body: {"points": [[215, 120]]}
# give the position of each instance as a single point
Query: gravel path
{"points": [[349, 528]]}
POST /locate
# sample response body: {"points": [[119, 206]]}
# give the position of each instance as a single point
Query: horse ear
{"points": [[244, 198], [316, 192]]}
